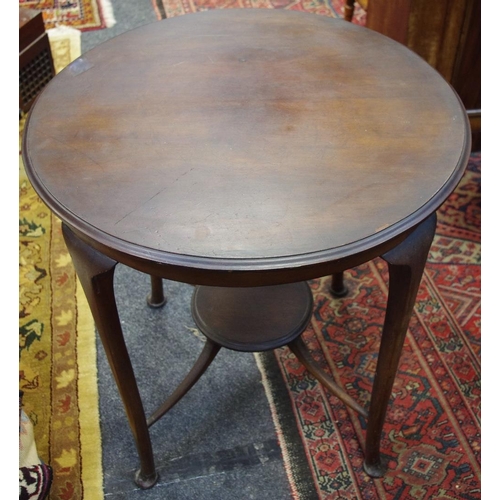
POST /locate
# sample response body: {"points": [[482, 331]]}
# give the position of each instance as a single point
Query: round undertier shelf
{"points": [[252, 319]]}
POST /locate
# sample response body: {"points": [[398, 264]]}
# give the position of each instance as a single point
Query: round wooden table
{"points": [[243, 149]]}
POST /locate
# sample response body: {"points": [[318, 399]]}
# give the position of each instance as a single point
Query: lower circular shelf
{"points": [[252, 319]]}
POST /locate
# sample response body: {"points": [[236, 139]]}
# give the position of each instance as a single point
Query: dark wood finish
{"points": [[406, 265], [349, 8], [252, 319], [223, 113], [36, 67], [475, 119], [95, 272], [338, 287], [466, 78], [264, 147], [431, 29], [390, 17], [31, 27], [205, 359], [156, 298], [301, 352], [243, 319], [447, 34]]}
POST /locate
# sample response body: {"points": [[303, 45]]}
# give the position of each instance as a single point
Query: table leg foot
{"points": [[156, 298], [406, 265], [375, 470], [337, 287], [145, 482], [95, 272]]}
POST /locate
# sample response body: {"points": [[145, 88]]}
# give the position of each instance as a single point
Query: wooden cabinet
{"points": [[36, 67], [447, 34]]}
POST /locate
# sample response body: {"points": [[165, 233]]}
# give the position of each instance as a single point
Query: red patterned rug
{"points": [[333, 8], [431, 437], [84, 15]]}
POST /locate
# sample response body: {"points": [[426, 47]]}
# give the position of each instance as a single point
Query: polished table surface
{"points": [[246, 139], [243, 148]]}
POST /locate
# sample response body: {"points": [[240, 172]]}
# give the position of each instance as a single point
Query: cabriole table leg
{"points": [[95, 272], [406, 266]]}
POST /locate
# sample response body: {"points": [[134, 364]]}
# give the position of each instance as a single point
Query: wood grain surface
{"points": [[246, 135]]}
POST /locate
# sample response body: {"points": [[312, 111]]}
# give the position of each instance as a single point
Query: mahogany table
{"points": [[247, 151]]}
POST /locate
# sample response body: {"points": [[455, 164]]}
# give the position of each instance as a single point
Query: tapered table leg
{"points": [[337, 287], [157, 298], [95, 272], [348, 10], [406, 266]]}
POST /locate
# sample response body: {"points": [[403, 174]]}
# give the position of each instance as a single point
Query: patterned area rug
{"points": [[432, 433], [81, 14], [333, 8], [57, 350], [57, 354]]}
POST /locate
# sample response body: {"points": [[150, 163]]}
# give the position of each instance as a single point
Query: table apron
{"points": [[251, 277]]}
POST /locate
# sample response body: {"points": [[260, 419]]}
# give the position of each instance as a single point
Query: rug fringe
{"points": [[90, 432], [107, 12], [277, 426]]}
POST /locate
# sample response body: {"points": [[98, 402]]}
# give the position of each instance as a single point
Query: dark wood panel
{"points": [[30, 26], [391, 18], [36, 66], [447, 34], [466, 77]]}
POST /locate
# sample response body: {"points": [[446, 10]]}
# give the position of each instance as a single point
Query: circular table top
{"points": [[246, 137]]}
